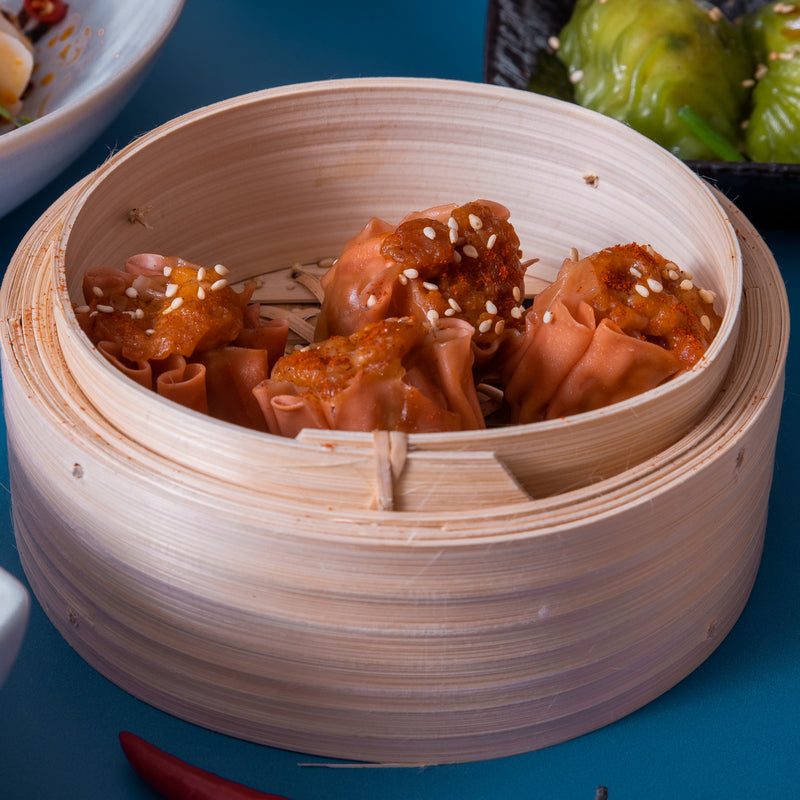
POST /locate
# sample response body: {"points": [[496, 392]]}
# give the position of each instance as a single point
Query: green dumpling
{"points": [[642, 62], [773, 131]]}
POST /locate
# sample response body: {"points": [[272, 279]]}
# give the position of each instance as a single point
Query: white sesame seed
{"points": [[635, 272], [516, 312], [491, 241], [491, 307], [138, 314], [220, 270], [642, 290], [475, 222], [326, 263], [654, 285], [93, 314], [715, 15], [448, 312], [150, 331], [547, 317], [454, 304], [470, 251], [452, 222], [201, 273], [82, 309], [171, 289], [485, 326], [105, 309], [499, 326], [456, 257], [432, 314], [176, 303], [411, 273], [201, 293], [131, 292], [220, 284], [371, 300], [517, 293], [402, 279], [574, 255], [576, 76], [761, 71], [431, 287], [429, 232], [97, 291], [686, 284], [554, 42], [705, 322], [649, 249], [128, 313], [673, 275], [706, 295], [748, 83], [167, 271], [453, 235]]}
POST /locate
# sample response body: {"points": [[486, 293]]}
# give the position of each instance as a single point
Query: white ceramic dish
{"points": [[14, 610], [86, 69]]}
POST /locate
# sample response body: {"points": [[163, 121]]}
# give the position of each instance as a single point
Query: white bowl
{"points": [[14, 610], [88, 67]]}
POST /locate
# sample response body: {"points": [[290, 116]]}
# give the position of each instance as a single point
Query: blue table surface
{"points": [[729, 730]]}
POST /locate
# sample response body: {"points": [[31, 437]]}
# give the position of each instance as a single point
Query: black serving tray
{"points": [[516, 38]]}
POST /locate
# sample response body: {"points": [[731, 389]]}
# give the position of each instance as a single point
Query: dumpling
{"points": [[642, 62], [394, 374]]}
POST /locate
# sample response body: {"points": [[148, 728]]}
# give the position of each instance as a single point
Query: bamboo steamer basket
{"points": [[404, 599]]}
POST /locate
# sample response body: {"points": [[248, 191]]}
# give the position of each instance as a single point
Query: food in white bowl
{"points": [[85, 68]]}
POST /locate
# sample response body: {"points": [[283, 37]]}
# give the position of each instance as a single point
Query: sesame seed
{"points": [[105, 309], [761, 71], [470, 251], [749, 83], [448, 312], [150, 331], [411, 273], [81, 309], [783, 8], [201, 293], [642, 290], [547, 317], [491, 307], [431, 287], [686, 284], [171, 290], [456, 257], [93, 314], [131, 292], [654, 285], [402, 279], [714, 14], [485, 326], [516, 312], [167, 271], [576, 76], [705, 322], [452, 222], [673, 275], [454, 304], [220, 270], [649, 249], [97, 291], [128, 313], [453, 235], [491, 241], [432, 314], [635, 272], [138, 314], [176, 303], [371, 300], [220, 284], [574, 255], [706, 295], [429, 232], [201, 273], [475, 222], [554, 43], [326, 263], [499, 326], [517, 293]]}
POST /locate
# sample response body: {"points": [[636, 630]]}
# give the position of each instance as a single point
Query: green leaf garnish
{"points": [[710, 137]]}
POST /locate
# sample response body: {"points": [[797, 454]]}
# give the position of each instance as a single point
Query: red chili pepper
{"points": [[177, 780], [50, 11]]}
